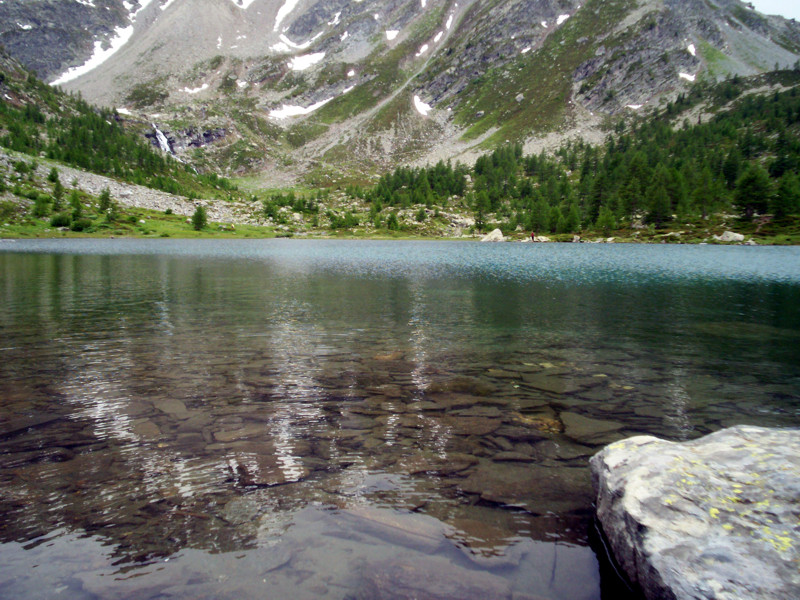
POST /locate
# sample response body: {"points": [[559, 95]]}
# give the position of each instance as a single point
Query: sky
{"points": [[785, 8]]}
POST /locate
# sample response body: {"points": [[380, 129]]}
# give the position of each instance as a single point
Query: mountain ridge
{"points": [[375, 84]]}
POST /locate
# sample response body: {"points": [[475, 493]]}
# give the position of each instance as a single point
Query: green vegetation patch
{"points": [[143, 95], [543, 77]]}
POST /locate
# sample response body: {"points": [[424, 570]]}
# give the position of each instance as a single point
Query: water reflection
{"points": [[326, 426]]}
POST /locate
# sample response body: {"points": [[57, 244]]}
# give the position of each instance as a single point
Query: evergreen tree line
{"points": [[744, 160], [407, 186]]}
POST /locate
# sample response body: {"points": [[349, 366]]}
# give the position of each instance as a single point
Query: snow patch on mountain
{"points": [[692, 50], [422, 107], [283, 12], [561, 19], [391, 34], [301, 63], [287, 110], [195, 90], [99, 56], [287, 45], [687, 76]]}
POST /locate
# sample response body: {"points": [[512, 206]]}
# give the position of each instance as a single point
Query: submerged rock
{"points": [[715, 518], [588, 430], [429, 578], [537, 489]]}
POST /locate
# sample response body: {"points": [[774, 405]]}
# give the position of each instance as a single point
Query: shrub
{"points": [[61, 220], [81, 224], [8, 210]]}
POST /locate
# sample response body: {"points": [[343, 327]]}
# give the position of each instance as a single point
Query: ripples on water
{"points": [[357, 419]]}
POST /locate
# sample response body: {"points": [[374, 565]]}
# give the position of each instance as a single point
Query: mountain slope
{"points": [[334, 89]]}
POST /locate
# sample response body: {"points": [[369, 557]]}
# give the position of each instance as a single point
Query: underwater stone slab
{"points": [[714, 518], [428, 578], [538, 489], [586, 429]]}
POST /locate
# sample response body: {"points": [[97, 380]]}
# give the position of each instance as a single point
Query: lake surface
{"points": [[315, 419]]}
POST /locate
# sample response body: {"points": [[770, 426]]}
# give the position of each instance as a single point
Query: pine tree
{"points": [[104, 200], [58, 195], [199, 218], [703, 195], [731, 167], [753, 191], [75, 204], [482, 206], [787, 198], [573, 219], [605, 221], [658, 200]]}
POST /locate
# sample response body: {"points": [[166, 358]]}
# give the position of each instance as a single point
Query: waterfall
{"points": [[163, 142]]}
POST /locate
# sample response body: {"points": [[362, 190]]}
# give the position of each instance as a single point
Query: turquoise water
{"points": [[314, 419]]}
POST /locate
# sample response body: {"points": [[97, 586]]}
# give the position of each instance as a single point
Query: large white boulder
{"points": [[494, 236], [716, 517], [729, 236]]}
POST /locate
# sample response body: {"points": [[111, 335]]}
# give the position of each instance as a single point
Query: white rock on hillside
{"points": [[729, 236], [494, 236], [714, 518]]}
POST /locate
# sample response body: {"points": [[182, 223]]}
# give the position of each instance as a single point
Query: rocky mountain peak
{"points": [[303, 81]]}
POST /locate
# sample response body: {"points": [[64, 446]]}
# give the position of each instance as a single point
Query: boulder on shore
{"points": [[494, 236], [729, 236], [716, 517]]}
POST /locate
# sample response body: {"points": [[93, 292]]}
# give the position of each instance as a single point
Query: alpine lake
{"points": [[358, 419]]}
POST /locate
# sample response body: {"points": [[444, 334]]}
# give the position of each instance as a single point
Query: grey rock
{"points": [[710, 518]]}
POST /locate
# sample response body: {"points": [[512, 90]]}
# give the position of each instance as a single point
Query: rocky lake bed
{"points": [[339, 420]]}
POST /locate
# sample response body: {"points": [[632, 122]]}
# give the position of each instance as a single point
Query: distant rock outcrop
{"points": [[714, 518]]}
